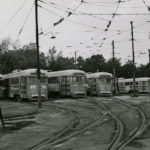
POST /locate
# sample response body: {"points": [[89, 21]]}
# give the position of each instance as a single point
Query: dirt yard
{"points": [[72, 124]]}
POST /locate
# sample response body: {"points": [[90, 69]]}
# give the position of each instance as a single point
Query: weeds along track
{"points": [[139, 129]]}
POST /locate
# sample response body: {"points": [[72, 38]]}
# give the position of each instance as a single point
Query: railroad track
{"points": [[63, 135], [118, 135], [139, 129], [120, 127]]}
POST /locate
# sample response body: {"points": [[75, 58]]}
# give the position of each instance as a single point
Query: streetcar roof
{"points": [[98, 74], [131, 79], [69, 72], [26, 72]]}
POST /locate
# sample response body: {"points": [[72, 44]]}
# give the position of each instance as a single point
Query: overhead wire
{"points": [[68, 15], [29, 13], [68, 9], [109, 24], [14, 15], [148, 7]]}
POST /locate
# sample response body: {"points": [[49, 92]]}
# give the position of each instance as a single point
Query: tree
{"points": [[117, 64], [80, 62], [94, 64], [5, 45], [22, 58], [127, 70]]}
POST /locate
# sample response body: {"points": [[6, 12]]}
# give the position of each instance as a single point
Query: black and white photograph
{"points": [[75, 75]]}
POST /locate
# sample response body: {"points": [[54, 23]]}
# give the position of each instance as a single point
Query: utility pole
{"points": [[114, 70], [75, 57], [38, 57], [133, 60], [149, 55]]}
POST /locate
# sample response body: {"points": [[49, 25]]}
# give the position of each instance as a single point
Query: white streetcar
{"points": [[67, 83], [142, 85], [99, 83], [22, 84]]}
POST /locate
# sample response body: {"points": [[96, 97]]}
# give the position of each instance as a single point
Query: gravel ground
{"points": [[26, 125]]}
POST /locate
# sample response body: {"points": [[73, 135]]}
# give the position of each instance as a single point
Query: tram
{"points": [[99, 83], [22, 84], [142, 85], [67, 83]]}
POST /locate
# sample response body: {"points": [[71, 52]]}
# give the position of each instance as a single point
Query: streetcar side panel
{"points": [[143, 86]]}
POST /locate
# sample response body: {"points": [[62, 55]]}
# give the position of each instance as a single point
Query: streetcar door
{"points": [[23, 88], [64, 88]]}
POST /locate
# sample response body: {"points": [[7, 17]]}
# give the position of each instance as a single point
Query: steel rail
{"points": [[59, 139], [119, 131], [69, 126], [138, 130]]}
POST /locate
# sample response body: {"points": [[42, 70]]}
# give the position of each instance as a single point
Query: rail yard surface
{"points": [[91, 123]]}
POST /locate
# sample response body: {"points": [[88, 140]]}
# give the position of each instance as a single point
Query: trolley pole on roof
{"points": [[114, 70], [133, 60], [38, 55]]}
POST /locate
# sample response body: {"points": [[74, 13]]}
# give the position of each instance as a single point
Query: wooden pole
{"points": [[114, 70], [133, 60], [38, 55]]}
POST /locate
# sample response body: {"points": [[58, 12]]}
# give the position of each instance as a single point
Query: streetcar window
{"points": [[108, 80], [23, 80], [83, 79], [43, 79], [143, 82], [14, 81], [73, 79], [53, 80], [102, 80], [32, 80]]}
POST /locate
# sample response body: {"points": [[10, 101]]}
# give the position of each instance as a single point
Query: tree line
{"points": [[13, 56]]}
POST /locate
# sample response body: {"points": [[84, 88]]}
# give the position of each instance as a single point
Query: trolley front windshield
{"points": [[105, 79]]}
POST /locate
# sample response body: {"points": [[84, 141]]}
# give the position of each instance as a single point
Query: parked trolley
{"points": [[142, 85], [67, 83], [22, 84], [99, 83]]}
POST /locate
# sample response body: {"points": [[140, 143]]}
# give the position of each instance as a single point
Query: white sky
{"points": [[78, 32]]}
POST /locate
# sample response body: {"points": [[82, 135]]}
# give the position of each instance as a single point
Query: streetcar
{"points": [[22, 84], [67, 83], [100, 83], [142, 85]]}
